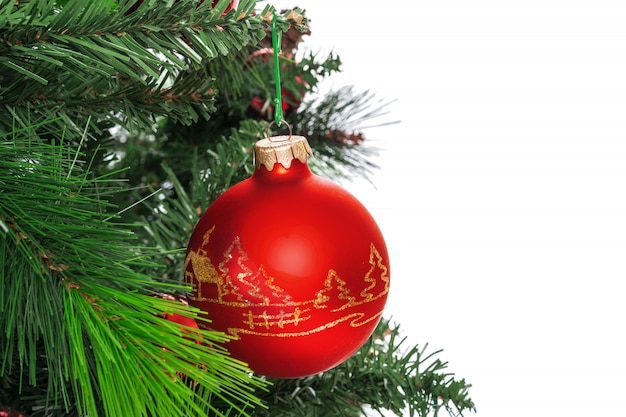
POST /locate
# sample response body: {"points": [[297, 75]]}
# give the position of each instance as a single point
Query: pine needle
{"points": [[72, 303]]}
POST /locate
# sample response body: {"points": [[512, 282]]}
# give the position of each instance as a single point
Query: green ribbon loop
{"points": [[278, 101]]}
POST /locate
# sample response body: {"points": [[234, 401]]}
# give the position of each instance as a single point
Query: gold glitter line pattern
{"points": [[354, 323], [256, 292]]}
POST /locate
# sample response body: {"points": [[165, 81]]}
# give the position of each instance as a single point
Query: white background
{"points": [[502, 194]]}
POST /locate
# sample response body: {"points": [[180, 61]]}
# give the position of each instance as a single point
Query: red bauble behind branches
{"points": [[290, 264], [10, 412]]}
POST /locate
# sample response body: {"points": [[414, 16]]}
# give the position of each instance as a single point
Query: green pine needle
{"points": [[72, 301], [122, 121]]}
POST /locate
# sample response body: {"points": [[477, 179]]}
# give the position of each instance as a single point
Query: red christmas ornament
{"points": [[232, 5], [10, 412], [182, 320], [187, 324], [289, 263]]}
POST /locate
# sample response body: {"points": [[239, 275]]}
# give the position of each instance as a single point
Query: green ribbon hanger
{"points": [[278, 100]]}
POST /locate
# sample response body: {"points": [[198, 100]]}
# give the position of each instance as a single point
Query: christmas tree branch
{"points": [[94, 222], [148, 61], [381, 376], [334, 126], [74, 307]]}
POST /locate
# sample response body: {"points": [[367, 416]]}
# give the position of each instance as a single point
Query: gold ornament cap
{"points": [[281, 149]]}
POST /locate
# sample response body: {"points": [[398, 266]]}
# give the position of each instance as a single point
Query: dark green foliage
{"points": [[382, 375], [79, 318], [120, 122]]}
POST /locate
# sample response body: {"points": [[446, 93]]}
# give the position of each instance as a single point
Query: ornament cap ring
{"points": [[267, 130]]}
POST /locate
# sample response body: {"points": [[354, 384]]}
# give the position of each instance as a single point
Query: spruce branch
{"points": [[382, 376], [169, 219], [86, 277], [74, 308], [334, 126], [96, 58]]}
